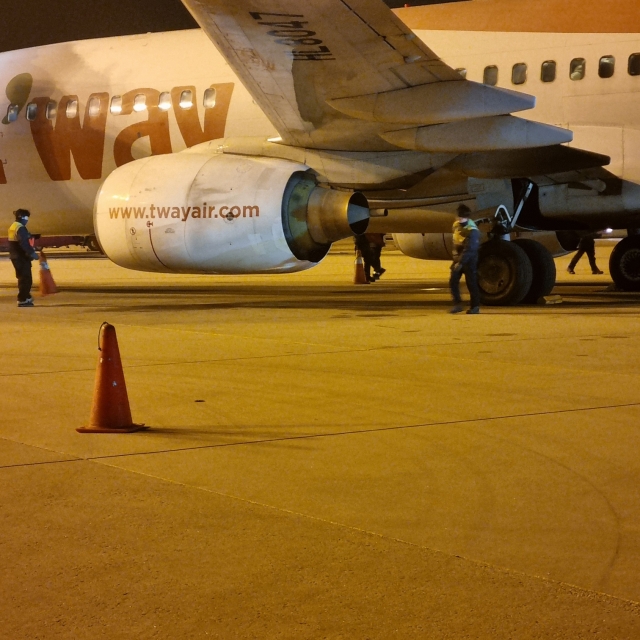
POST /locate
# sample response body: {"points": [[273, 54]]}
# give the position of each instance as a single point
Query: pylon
{"points": [[47, 283], [359, 276], [110, 412]]}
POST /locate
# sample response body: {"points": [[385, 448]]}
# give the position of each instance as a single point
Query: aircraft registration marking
{"points": [[295, 34]]}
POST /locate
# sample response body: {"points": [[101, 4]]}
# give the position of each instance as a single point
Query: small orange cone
{"points": [[47, 283], [359, 276], [110, 412]]}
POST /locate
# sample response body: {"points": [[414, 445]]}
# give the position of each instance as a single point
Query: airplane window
{"points": [[462, 72], [32, 111], [548, 71], [116, 105], [490, 76], [94, 107], [209, 100], [164, 101], [577, 68], [634, 64], [12, 112], [140, 102], [52, 110], [519, 73], [186, 100], [72, 109], [607, 66]]}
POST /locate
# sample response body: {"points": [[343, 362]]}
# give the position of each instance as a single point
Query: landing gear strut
{"points": [[513, 272]]}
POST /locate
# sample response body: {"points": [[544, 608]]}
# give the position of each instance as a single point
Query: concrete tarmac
{"points": [[324, 460]]}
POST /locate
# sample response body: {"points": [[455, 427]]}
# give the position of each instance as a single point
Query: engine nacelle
{"points": [[197, 213], [425, 246], [557, 243], [438, 246]]}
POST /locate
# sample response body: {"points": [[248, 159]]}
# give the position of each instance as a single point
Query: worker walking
{"points": [[362, 245], [22, 254], [466, 244], [376, 244], [587, 245]]}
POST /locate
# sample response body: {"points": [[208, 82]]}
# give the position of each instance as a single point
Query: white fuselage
{"points": [[116, 66], [600, 111]]}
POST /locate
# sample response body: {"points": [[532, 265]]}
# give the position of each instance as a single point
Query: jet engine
{"points": [[438, 246], [425, 246], [197, 213]]}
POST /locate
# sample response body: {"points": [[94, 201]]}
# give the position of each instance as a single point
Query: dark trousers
{"points": [[590, 250], [365, 252], [470, 271], [376, 252], [23, 273]]}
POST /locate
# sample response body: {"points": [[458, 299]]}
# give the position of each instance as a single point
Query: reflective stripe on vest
{"points": [[13, 231]]}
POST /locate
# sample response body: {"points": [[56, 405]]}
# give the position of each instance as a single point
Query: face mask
{"points": [[24, 220]]}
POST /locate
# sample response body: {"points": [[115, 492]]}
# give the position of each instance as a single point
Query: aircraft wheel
{"points": [[504, 273], [624, 264], [544, 269]]}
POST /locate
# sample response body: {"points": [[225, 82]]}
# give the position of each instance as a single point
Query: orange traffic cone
{"points": [[110, 412], [47, 283], [359, 276]]}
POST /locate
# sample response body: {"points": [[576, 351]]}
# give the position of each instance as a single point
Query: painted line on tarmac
{"points": [[158, 430], [336, 351], [382, 536], [43, 462]]}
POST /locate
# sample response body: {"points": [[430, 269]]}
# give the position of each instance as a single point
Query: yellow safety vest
{"points": [[460, 233], [13, 231]]}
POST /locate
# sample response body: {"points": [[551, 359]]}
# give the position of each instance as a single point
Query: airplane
{"points": [[252, 144]]}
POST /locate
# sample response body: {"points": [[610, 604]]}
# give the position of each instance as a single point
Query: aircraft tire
{"points": [[544, 269], [504, 273], [624, 264]]}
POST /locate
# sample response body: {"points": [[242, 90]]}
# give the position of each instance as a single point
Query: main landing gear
{"points": [[513, 272], [624, 264]]}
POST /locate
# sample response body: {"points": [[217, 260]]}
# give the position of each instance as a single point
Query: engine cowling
{"points": [[557, 243], [196, 213], [425, 246], [438, 246]]}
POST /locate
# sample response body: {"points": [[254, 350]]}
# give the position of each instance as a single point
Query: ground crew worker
{"points": [[376, 243], [362, 245], [466, 244], [587, 245], [22, 254]]}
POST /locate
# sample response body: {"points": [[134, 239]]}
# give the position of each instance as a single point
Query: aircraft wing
{"points": [[349, 75]]}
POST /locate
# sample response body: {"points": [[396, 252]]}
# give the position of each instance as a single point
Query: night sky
{"points": [[29, 23]]}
